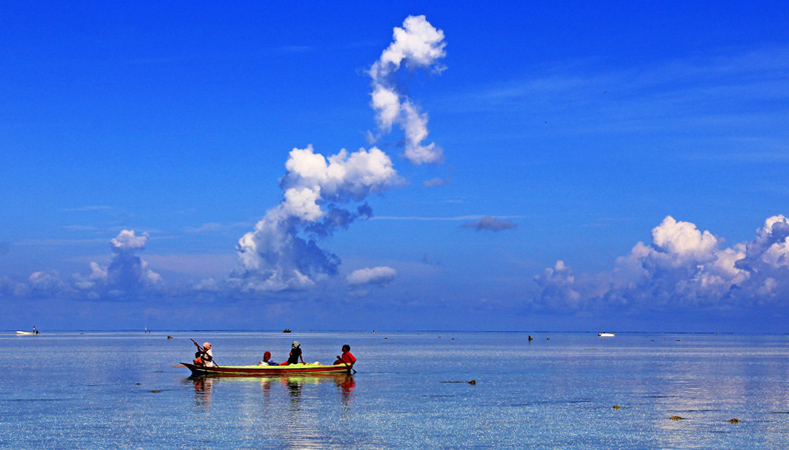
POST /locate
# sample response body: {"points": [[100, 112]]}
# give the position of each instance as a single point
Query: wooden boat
{"points": [[267, 371], [606, 334], [286, 330]]}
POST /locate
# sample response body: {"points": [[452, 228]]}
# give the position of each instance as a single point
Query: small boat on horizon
{"points": [[27, 333], [605, 334], [286, 330], [267, 371]]}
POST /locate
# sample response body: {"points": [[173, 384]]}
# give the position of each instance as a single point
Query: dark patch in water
{"points": [[32, 400], [779, 412], [561, 402], [442, 396], [155, 391]]}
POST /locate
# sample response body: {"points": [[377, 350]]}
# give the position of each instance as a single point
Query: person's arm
{"points": [[349, 359]]}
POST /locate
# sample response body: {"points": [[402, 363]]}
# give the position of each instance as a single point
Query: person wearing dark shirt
{"points": [[295, 354]]}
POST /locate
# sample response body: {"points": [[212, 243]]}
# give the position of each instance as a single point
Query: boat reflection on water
{"points": [[206, 385], [203, 386]]}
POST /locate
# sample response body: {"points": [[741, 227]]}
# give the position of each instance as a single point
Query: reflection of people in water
{"points": [[203, 387], [294, 389], [346, 385]]}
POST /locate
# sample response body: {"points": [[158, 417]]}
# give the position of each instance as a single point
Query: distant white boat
{"points": [[24, 333], [606, 334]]}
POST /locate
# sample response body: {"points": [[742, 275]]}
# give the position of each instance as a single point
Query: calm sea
{"points": [[121, 390]]}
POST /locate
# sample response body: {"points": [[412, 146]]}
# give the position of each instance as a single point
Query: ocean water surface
{"points": [[122, 390]]}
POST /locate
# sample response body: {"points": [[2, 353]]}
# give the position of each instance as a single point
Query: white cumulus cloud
{"points": [[417, 45], [126, 276], [321, 195], [684, 267], [282, 252], [373, 275]]}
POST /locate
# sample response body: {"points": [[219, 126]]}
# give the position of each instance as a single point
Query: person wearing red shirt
{"points": [[347, 358]]}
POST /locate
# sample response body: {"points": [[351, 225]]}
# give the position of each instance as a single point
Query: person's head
{"points": [[266, 356], [296, 344], [346, 348], [207, 346]]}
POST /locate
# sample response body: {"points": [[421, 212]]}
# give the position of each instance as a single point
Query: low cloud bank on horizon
{"points": [[683, 268]]}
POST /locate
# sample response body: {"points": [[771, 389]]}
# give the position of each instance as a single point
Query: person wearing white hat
{"points": [[295, 354], [208, 355]]}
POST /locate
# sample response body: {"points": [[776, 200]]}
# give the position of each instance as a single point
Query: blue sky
{"points": [[617, 166]]}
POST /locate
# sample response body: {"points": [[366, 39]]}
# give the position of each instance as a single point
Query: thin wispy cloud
{"points": [[450, 219], [296, 49], [606, 221], [79, 228], [89, 208], [725, 94], [59, 242], [490, 223], [216, 227], [435, 182]]}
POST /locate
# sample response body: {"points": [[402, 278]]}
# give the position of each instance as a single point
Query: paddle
{"points": [[346, 365], [202, 350]]}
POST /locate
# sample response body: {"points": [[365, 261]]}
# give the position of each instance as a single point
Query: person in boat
{"points": [[295, 354], [347, 357], [206, 354], [267, 360]]}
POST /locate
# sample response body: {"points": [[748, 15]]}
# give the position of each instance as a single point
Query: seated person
{"points": [[347, 358], [267, 360], [295, 354], [204, 355]]}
